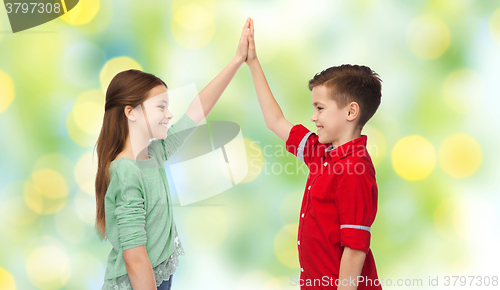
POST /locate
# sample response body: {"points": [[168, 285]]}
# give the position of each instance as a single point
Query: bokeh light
{"points": [[428, 37], [475, 210], [255, 160], [375, 143], [71, 227], [88, 111], [448, 218], [494, 25], [60, 163], [6, 91], [46, 191], [193, 23], [285, 246], [18, 220], [439, 62], [206, 233], [413, 157], [14, 208], [402, 210], [113, 67], [85, 173], [290, 206], [464, 91], [90, 271], [460, 155], [7, 281], [82, 13], [84, 121], [85, 207], [48, 267], [50, 183], [82, 61]]}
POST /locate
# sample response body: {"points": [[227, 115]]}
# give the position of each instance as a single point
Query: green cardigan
{"points": [[138, 208]]}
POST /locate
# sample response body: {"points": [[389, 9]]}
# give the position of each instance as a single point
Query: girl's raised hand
{"points": [[252, 56], [242, 51]]}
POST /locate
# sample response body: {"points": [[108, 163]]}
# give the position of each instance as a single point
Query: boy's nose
{"points": [[313, 118]]}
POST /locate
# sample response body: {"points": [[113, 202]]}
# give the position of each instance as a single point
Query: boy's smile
{"points": [[328, 118]]}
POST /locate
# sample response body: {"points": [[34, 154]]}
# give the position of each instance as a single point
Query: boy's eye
{"points": [[319, 108]]}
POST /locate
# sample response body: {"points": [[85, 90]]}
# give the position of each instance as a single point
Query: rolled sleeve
{"points": [[300, 142], [130, 211], [177, 134], [357, 206]]}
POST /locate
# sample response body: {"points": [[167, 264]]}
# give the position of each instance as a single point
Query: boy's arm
{"points": [[273, 115], [351, 265], [356, 200], [211, 93]]}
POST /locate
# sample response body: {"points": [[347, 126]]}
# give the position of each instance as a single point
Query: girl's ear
{"points": [[129, 113]]}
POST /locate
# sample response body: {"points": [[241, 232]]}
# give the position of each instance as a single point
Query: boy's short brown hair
{"points": [[352, 83]]}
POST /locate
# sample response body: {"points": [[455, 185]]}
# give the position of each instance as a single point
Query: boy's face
{"points": [[330, 120]]}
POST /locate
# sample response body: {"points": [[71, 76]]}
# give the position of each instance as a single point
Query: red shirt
{"points": [[338, 209]]}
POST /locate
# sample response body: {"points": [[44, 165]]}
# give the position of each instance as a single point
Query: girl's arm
{"points": [[139, 268], [211, 93], [273, 116]]}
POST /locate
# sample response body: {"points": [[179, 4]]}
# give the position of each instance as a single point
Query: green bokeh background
{"points": [[438, 199]]}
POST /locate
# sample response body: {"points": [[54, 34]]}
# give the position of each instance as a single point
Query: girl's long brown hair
{"points": [[127, 88]]}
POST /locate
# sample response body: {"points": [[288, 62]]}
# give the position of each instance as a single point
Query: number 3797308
{"points": [[33, 7]]}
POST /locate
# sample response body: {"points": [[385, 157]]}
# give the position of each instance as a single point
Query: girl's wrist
{"points": [[237, 60]]}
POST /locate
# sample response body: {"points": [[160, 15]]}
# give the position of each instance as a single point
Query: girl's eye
{"points": [[163, 107]]}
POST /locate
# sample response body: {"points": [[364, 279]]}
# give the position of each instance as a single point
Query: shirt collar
{"points": [[349, 148]]}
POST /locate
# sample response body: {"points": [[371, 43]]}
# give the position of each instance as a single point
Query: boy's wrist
{"points": [[253, 63]]}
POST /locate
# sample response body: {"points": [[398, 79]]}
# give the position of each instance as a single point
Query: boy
{"points": [[340, 199]]}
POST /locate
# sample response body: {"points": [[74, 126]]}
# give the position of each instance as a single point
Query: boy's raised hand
{"points": [[242, 51], [252, 56], [273, 116]]}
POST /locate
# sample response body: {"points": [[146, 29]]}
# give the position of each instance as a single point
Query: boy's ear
{"points": [[129, 113], [353, 111]]}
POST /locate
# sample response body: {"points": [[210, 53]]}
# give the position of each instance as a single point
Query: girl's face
{"points": [[156, 113]]}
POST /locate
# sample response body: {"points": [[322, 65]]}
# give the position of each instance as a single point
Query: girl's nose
{"points": [[169, 115]]}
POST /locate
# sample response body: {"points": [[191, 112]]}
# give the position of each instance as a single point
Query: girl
{"points": [[134, 210]]}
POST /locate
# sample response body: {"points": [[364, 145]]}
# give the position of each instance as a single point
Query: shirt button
{"points": [[309, 188], [298, 242], [325, 164], [302, 215], [302, 269]]}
